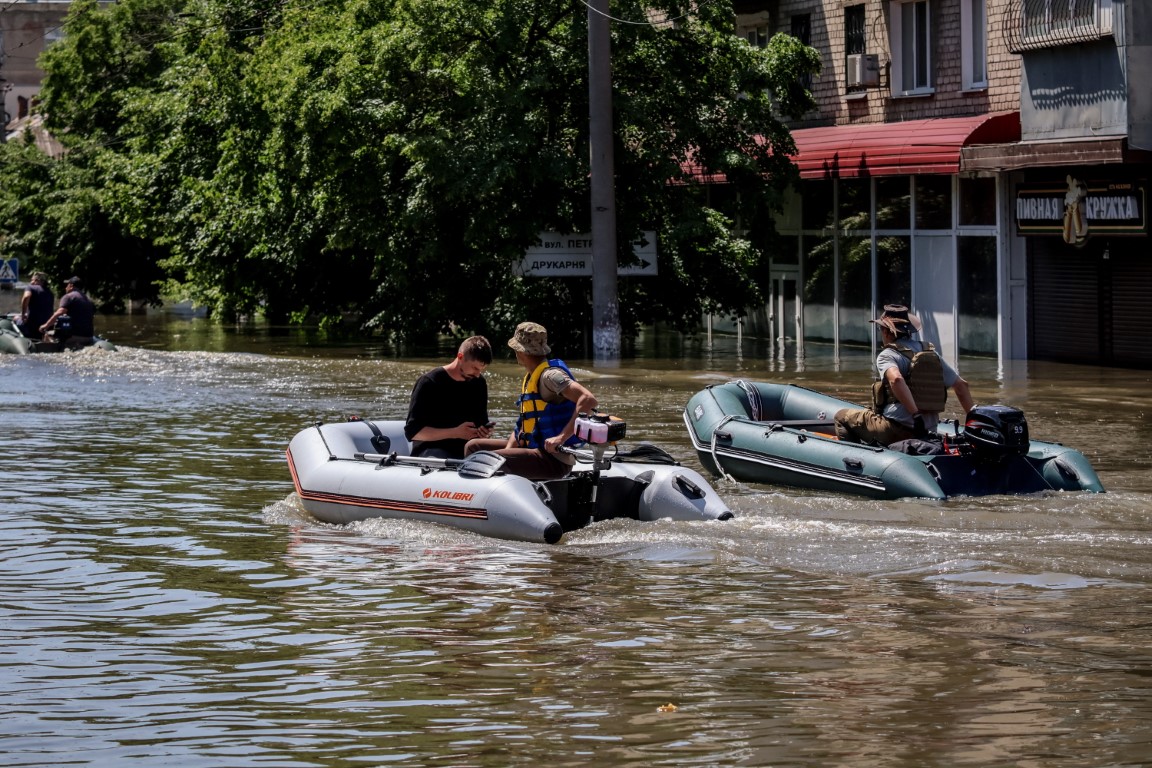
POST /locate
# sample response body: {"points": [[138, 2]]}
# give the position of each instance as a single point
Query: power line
{"points": [[646, 22]]}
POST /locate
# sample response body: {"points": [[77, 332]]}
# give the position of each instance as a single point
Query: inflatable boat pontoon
{"points": [[15, 343], [783, 434], [354, 470]]}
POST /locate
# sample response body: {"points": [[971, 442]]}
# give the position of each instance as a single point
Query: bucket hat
{"points": [[898, 319], [531, 339]]}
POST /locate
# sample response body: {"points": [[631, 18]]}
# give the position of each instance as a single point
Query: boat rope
{"points": [[331, 456], [1041, 474], [755, 407], [715, 454]]}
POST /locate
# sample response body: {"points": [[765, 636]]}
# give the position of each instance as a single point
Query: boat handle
{"points": [[853, 463], [688, 488], [722, 435]]}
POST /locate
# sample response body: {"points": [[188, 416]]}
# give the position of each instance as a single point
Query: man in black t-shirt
{"points": [[449, 405], [80, 312], [36, 306]]}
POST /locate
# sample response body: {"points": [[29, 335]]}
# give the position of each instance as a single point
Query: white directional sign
{"points": [[558, 255], [9, 271]]}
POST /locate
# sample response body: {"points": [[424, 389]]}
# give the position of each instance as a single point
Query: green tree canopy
{"points": [[389, 160]]}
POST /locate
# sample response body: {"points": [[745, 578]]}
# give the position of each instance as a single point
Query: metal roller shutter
{"points": [[1131, 283], [1064, 302]]}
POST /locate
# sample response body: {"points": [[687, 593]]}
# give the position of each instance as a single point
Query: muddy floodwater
{"points": [[164, 600]]}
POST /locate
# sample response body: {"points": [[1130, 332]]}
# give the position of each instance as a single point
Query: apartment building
{"points": [[27, 28], [940, 127], [1079, 177]]}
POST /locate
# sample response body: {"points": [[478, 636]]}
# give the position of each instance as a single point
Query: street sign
{"points": [[559, 255], [9, 271]]}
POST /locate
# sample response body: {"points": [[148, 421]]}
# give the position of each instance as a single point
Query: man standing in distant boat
{"points": [[449, 404], [550, 399], [912, 390], [35, 306], [80, 313]]}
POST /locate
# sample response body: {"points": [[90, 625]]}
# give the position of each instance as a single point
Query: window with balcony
{"points": [[1032, 24], [911, 26], [754, 28]]}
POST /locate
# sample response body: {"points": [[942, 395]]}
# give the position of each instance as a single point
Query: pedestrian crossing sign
{"points": [[9, 271]]}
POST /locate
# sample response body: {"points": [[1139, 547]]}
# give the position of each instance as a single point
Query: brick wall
{"points": [[877, 104]]}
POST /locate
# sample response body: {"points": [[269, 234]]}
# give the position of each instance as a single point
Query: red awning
{"points": [[898, 149]]}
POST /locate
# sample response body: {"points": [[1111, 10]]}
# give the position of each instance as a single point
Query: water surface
{"points": [[165, 600]]}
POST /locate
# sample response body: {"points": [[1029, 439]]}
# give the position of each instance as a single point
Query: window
{"points": [[53, 35], [802, 31], [974, 37], [757, 37], [854, 29], [911, 47], [933, 202], [1035, 24], [977, 202], [1047, 17], [754, 28]]}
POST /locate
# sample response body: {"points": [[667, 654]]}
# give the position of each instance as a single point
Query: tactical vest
{"points": [[925, 379], [539, 419]]}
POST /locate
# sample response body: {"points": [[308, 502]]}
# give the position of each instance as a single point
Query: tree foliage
{"points": [[388, 160]]}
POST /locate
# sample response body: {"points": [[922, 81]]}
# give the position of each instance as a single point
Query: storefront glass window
{"points": [[855, 289], [976, 271], [819, 285], [786, 250], [817, 205], [855, 204], [893, 202], [934, 202], [977, 202], [894, 270]]}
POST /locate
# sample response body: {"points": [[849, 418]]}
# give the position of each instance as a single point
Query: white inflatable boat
{"points": [[355, 470]]}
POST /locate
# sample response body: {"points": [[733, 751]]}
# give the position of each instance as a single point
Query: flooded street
{"points": [[165, 600]]}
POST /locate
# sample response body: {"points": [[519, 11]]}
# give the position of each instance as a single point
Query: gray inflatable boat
{"points": [[354, 470]]}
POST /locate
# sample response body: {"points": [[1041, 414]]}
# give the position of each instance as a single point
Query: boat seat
{"points": [[732, 402], [391, 439]]}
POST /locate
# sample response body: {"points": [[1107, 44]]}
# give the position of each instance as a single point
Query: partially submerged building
{"points": [[981, 160]]}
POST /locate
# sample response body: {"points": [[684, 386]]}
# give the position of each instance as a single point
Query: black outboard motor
{"points": [[62, 330], [996, 432]]}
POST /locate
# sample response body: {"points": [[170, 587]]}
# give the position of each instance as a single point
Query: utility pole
{"points": [[605, 307]]}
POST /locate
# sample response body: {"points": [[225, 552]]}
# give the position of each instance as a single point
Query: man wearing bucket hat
{"points": [[912, 388], [550, 398]]}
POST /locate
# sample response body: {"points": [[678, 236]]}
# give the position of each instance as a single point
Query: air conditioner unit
{"points": [[863, 70]]}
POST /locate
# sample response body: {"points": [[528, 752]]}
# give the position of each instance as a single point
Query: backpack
{"points": [[925, 379]]}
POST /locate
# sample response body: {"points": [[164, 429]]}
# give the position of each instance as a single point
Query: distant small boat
{"points": [[783, 434], [15, 343], [356, 470]]}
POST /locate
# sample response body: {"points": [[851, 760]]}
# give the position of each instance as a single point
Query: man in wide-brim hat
{"points": [[912, 389], [550, 399]]}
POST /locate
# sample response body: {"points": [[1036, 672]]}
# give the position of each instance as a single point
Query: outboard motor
{"points": [[996, 432], [62, 330]]}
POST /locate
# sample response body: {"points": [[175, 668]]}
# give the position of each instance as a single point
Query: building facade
{"points": [[1078, 178], [27, 28], [923, 153]]}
